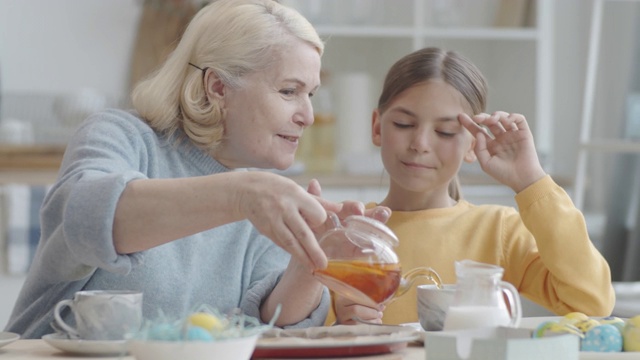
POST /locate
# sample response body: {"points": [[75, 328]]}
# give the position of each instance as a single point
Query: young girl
{"points": [[425, 127]]}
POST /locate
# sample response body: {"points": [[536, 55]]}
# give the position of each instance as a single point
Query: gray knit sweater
{"points": [[226, 267]]}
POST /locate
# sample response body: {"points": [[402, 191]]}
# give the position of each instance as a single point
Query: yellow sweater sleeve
{"points": [[565, 272]]}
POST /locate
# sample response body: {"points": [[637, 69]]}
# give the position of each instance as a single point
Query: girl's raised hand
{"points": [[505, 148]]}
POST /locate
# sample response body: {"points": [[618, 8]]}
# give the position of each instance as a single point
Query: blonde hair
{"points": [[231, 37], [434, 63]]}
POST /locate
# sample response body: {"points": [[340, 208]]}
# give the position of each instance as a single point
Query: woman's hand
{"points": [[284, 212], [347, 311], [298, 276], [508, 152]]}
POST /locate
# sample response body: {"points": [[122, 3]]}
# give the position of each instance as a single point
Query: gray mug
{"points": [[433, 304], [102, 314]]}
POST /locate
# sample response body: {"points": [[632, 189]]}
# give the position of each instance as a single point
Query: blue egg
{"points": [[602, 338], [197, 333], [615, 321]]}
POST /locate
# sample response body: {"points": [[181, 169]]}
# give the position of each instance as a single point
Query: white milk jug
{"points": [[479, 300]]}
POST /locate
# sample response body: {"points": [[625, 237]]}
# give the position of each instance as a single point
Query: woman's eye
{"points": [[287, 92]]}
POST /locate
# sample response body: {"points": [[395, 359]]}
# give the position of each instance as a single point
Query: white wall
{"points": [[64, 45]]}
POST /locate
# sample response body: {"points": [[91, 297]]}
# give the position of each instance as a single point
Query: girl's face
{"points": [[265, 117], [422, 142]]}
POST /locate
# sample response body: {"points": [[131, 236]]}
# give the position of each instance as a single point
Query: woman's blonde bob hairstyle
{"points": [[232, 38], [435, 63]]}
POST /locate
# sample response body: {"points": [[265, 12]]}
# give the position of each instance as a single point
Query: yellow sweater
{"points": [[544, 248]]}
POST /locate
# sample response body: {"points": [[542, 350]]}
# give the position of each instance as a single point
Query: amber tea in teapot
{"points": [[377, 282], [362, 264]]}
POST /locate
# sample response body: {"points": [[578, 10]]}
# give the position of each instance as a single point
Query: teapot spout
{"points": [[410, 278]]}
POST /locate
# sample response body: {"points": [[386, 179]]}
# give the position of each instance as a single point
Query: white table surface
{"points": [[40, 350]]}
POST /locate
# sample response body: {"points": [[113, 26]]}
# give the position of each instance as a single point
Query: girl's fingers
{"points": [[481, 149], [519, 121], [499, 122], [473, 125]]}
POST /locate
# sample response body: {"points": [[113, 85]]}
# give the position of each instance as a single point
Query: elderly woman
{"points": [[157, 199]]}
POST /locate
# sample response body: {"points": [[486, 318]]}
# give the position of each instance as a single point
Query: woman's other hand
{"points": [[346, 208], [347, 311]]}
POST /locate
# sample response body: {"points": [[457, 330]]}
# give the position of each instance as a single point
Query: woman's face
{"points": [[265, 117], [422, 142]]}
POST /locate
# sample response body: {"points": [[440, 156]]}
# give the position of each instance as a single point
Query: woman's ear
{"points": [[376, 132], [214, 86]]}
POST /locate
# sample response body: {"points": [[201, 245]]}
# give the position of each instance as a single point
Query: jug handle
{"points": [[410, 277], [514, 303]]}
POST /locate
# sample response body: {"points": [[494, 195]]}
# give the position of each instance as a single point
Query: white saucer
{"points": [[7, 338], [86, 347], [414, 325]]}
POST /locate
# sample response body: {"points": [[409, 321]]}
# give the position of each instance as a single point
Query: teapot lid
{"points": [[373, 227]]}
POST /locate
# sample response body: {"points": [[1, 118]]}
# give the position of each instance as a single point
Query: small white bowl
{"points": [[225, 349]]}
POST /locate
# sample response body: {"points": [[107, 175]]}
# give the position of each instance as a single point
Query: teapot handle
{"points": [[411, 276], [514, 303]]}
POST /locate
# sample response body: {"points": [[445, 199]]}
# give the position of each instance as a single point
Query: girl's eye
{"points": [[445, 134], [401, 125]]}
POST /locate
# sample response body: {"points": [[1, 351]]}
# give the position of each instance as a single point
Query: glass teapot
{"points": [[362, 263], [479, 300]]}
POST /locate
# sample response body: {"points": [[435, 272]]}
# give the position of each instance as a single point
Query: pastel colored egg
{"points": [[553, 328], [196, 333], [206, 321], [613, 320], [573, 317], [602, 338], [541, 329], [631, 334], [586, 325]]}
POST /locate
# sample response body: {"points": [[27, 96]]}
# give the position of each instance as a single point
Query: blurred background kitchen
{"points": [[570, 66]]}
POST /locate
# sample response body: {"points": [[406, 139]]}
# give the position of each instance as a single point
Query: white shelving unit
{"points": [[370, 35], [590, 145]]}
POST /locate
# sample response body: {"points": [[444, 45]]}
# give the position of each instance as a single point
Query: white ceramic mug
{"points": [[433, 304], [102, 314]]}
